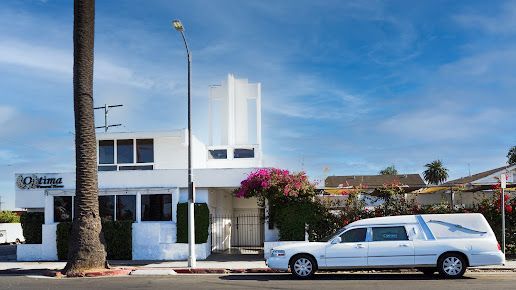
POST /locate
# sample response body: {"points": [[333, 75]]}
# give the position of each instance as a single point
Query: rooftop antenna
{"points": [[106, 111]]}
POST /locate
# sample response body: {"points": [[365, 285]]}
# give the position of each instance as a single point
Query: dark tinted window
{"points": [[107, 207], [62, 209], [106, 152], [126, 207], [107, 167], [124, 151], [389, 234], [141, 167], [244, 153], [156, 207], [144, 150], [219, 154], [354, 236]]}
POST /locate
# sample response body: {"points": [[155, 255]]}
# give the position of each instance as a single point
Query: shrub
{"points": [[9, 217], [287, 194], [202, 223], [31, 223], [117, 234]]}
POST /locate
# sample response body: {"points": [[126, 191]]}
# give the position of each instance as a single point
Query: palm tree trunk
{"points": [[86, 248]]}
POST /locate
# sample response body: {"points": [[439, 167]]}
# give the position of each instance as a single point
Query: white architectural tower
{"points": [[235, 133]]}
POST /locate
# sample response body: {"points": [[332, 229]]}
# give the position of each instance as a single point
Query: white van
{"points": [[446, 243], [11, 233]]}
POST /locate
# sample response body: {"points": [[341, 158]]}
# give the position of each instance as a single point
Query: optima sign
{"points": [[33, 181]]}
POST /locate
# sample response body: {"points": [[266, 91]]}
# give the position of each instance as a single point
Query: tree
{"points": [[435, 172], [511, 156], [389, 170], [86, 248]]}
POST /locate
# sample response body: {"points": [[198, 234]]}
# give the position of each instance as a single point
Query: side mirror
{"points": [[337, 240]]}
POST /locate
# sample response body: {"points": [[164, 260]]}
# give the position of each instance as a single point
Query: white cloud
{"points": [[504, 22], [59, 63], [438, 124]]}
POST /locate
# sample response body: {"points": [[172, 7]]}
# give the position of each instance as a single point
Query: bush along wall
{"points": [[9, 217], [117, 234], [202, 223], [31, 223]]}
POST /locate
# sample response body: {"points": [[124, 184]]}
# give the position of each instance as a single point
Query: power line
{"points": [[106, 111]]}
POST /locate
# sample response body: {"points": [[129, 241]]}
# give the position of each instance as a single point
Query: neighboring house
{"points": [[337, 188], [142, 177], [369, 183], [465, 191]]}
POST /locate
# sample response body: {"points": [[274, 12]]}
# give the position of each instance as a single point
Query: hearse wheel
{"points": [[302, 267], [452, 266]]}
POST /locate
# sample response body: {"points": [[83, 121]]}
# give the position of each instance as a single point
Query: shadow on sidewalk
{"points": [[334, 276]]}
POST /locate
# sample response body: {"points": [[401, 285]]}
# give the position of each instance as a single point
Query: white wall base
{"points": [[46, 251], [267, 246], [157, 241]]}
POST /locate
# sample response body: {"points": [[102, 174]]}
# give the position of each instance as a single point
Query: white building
{"points": [[142, 177]]}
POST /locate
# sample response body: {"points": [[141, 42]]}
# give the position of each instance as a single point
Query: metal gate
{"points": [[237, 233]]}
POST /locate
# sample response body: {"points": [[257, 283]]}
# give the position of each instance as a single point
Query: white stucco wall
{"points": [[157, 241], [46, 251]]}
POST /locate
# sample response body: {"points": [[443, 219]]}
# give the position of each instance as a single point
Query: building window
{"points": [[107, 207], [63, 209], [218, 154], [125, 151], [106, 152], [156, 207], [125, 207], [144, 151], [107, 168], [244, 153], [136, 167]]}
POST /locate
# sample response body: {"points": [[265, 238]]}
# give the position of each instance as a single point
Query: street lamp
{"points": [[191, 194]]}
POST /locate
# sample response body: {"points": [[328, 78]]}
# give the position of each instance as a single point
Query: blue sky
{"points": [[350, 86]]}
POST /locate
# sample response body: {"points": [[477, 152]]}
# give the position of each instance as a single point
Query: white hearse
{"points": [[447, 243]]}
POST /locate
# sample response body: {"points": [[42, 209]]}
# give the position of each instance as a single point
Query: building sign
{"points": [[34, 181]]}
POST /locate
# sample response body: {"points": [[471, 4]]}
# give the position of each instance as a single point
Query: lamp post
{"points": [[191, 194]]}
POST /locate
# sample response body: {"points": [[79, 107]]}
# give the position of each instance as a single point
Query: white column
{"points": [[49, 209], [138, 207], [259, 123]]}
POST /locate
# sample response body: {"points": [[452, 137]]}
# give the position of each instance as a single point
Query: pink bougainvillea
{"points": [[274, 183]]}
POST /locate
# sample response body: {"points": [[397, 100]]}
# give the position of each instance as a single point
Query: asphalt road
{"points": [[472, 281]]}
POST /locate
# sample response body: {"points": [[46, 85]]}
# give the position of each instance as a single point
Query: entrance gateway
{"points": [[238, 233]]}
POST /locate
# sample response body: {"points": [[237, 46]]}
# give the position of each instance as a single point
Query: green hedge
{"points": [[118, 236], [202, 223], [31, 223], [9, 217]]}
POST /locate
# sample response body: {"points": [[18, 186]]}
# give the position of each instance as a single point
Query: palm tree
{"points": [[86, 248], [511, 156], [435, 172], [389, 170]]}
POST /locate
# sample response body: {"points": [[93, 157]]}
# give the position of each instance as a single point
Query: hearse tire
{"points": [[303, 266], [452, 266]]}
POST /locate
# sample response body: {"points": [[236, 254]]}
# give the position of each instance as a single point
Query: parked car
{"points": [[444, 243], [11, 233]]}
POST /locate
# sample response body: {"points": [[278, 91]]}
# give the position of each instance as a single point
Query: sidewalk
{"points": [[210, 266]]}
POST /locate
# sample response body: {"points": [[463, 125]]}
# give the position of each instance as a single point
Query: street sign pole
{"points": [[503, 185]]}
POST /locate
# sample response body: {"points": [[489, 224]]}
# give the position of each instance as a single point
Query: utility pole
{"points": [[106, 111], [1, 202]]}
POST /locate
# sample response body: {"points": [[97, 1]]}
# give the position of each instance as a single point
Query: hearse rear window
{"points": [[389, 234]]}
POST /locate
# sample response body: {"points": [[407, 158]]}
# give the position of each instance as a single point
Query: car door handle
{"points": [[360, 246], [404, 245]]}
